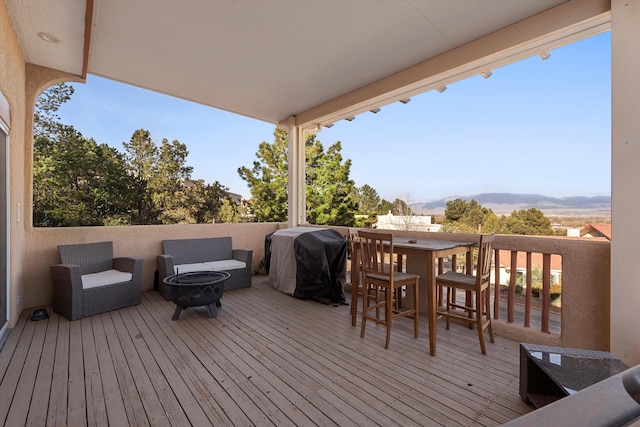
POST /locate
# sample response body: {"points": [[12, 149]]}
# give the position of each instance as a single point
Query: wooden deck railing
{"points": [[583, 320], [527, 303]]}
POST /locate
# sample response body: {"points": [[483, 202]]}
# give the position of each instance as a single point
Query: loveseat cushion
{"points": [[226, 264], [103, 278], [190, 268], [229, 264]]}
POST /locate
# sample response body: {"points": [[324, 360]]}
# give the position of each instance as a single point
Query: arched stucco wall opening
{"points": [[39, 79]]}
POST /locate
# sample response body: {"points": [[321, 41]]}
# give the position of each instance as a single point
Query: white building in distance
{"points": [[407, 222]]}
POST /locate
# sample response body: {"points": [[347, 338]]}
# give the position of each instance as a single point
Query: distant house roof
{"points": [[596, 230]]}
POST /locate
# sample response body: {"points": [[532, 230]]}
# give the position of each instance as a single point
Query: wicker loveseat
{"points": [[204, 254], [90, 280]]}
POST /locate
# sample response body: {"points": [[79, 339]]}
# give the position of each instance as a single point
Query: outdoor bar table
{"points": [[421, 258]]}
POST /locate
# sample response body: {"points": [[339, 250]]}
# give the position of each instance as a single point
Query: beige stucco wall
{"points": [[12, 84]]}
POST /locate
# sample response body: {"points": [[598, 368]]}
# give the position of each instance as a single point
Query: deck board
{"points": [[179, 404], [11, 384], [267, 359], [114, 405], [76, 398], [94, 395], [57, 409], [28, 376], [37, 415]]}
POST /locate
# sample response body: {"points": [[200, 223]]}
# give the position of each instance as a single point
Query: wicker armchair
{"points": [[90, 280]]}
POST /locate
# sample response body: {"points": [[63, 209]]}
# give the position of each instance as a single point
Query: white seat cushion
{"points": [[226, 264], [190, 268], [103, 278]]}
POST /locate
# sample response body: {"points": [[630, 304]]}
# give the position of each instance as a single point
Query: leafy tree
{"points": [[386, 207], [141, 155], [78, 182], [468, 217], [194, 202], [492, 224], [227, 212], [168, 183], [267, 179], [367, 199], [210, 200], [401, 208], [234, 211], [458, 227], [455, 210], [45, 120], [471, 217], [328, 187], [527, 222], [165, 193], [537, 277], [475, 214], [365, 221]]}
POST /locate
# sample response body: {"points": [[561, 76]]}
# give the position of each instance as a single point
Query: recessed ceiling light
{"points": [[48, 37]]}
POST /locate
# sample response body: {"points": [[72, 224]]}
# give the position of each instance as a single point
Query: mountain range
{"points": [[506, 203]]}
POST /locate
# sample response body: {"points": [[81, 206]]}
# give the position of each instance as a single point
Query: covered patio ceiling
{"points": [[320, 61]]}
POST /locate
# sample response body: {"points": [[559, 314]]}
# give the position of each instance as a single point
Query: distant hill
{"points": [[505, 203]]}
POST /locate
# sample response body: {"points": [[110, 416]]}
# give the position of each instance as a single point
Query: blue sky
{"points": [[534, 126]]}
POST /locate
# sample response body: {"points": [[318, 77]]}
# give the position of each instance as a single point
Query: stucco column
{"points": [[625, 180], [296, 183]]}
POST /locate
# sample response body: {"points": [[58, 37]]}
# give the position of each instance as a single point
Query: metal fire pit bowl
{"points": [[196, 289]]}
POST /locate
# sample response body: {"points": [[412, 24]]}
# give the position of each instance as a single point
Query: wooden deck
{"points": [[267, 359]]}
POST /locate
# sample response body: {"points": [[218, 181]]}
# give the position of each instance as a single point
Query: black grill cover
{"points": [[321, 258]]}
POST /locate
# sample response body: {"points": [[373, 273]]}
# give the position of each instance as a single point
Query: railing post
{"points": [[527, 300], [511, 298], [546, 291], [440, 289], [496, 294]]}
